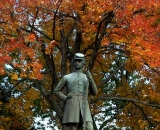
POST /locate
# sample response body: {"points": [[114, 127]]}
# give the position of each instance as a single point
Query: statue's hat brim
{"points": [[79, 56]]}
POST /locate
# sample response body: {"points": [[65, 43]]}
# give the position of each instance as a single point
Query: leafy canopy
{"points": [[120, 40]]}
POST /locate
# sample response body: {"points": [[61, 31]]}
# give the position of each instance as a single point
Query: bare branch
{"points": [[99, 36], [13, 87], [49, 98], [145, 116], [54, 19], [111, 75], [104, 97]]}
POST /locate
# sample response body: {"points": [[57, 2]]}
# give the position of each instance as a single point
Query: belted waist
{"points": [[75, 94]]}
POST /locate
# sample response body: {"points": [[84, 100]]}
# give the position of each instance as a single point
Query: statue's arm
{"points": [[92, 85], [58, 89]]}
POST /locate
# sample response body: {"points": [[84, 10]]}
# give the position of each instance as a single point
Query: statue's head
{"points": [[78, 60]]}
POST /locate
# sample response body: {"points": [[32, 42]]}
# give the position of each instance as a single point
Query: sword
{"points": [[85, 104], [94, 89]]}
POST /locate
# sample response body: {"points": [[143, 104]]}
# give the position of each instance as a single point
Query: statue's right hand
{"points": [[69, 96], [88, 74]]}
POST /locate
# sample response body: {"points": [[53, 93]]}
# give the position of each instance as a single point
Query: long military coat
{"points": [[77, 85]]}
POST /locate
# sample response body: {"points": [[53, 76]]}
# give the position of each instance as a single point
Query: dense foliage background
{"points": [[121, 43]]}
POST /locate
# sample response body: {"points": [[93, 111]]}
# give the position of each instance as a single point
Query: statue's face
{"points": [[78, 63]]}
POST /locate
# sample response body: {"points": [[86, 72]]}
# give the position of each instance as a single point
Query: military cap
{"points": [[79, 56]]}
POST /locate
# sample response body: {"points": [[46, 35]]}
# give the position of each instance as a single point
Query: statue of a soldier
{"points": [[76, 109]]}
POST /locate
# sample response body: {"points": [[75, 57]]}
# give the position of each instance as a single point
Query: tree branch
{"points": [[111, 75], [104, 97], [99, 37], [143, 113], [41, 32], [14, 86], [51, 66], [49, 98], [54, 19]]}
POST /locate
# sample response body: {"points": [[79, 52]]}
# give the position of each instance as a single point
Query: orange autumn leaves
{"points": [[135, 32], [145, 41], [3, 59], [50, 47], [30, 37], [21, 56], [141, 20]]}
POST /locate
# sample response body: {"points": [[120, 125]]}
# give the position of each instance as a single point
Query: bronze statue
{"points": [[76, 110]]}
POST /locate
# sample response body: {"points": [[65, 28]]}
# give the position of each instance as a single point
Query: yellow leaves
{"points": [[31, 75], [142, 124], [23, 75], [32, 71], [157, 119], [1, 103], [81, 12], [124, 90], [21, 108], [14, 76], [27, 58], [153, 94], [59, 28], [130, 117], [36, 70], [5, 122], [2, 128], [133, 64], [117, 39], [33, 93], [156, 116]]}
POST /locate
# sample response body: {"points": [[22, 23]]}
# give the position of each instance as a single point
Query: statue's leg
{"points": [[70, 126], [89, 125], [74, 126], [65, 127]]}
